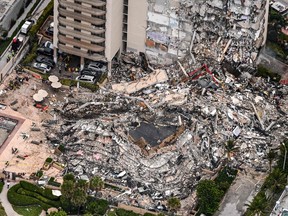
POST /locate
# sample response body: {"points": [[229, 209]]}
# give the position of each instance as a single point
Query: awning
{"points": [[38, 97], [43, 93], [56, 85], [53, 78]]}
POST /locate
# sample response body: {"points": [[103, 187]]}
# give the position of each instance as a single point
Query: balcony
{"points": [[84, 27], [96, 3], [81, 35], [81, 44], [81, 53], [89, 10], [89, 19]]}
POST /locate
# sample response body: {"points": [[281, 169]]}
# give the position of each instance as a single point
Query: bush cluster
{"points": [[34, 188], [21, 200], [210, 193]]}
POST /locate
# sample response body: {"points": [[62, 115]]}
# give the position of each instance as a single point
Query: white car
{"points": [[48, 44], [97, 66], [43, 67], [86, 78]]}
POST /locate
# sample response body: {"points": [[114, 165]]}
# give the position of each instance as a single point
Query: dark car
{"points": [[90, 72], [45, 60], [49, 31], [45, 51]]}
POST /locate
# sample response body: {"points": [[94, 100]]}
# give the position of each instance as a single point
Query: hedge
{"points": [[123, 212], [1, 186], [39, 197], [69, 82], [47, 193], [21, 200]]}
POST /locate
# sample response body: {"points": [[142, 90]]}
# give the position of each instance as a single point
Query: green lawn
{"points": [[1, 186], [28, 211], [2, 210]]}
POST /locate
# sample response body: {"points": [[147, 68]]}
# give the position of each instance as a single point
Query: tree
{"points": [[59, 213], [209, 197], [276, 181], [96, 183], [257, 206], [79, 198], [230, 148], [97, 207], [67, 189], [69, 177], [82, 184], [173, 203], [271, 155]]}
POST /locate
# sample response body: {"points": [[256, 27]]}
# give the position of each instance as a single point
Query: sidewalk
{"points": [[5, 203]]}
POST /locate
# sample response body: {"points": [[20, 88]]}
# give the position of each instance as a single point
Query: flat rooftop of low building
{"points": [[5, 6]]}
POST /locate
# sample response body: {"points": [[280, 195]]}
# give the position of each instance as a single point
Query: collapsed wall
{"points": [[207, 31]]}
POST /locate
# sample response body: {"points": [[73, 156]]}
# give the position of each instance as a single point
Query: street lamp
{"points": [[285, 156]]}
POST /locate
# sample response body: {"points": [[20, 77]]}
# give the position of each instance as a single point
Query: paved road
{"points": [[240, 193], [5, 203]]}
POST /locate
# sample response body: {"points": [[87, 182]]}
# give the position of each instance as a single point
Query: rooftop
{"points": [[4, 7]]}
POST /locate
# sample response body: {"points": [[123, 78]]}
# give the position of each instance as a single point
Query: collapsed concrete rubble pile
{"points": [[158, 133], [209, 32]]}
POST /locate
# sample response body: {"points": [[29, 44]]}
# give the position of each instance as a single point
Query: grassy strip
{"points": [[27, 210], [2, 210], [1, 186]]}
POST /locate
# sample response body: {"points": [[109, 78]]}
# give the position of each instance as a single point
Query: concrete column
{"points": [[55, 55], [82, 62], [109, 68]]}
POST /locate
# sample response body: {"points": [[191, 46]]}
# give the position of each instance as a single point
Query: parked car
{"points": [[97, 66], [90, 72], [86, 78], [43, 67], [45, 60], [49, 31], [48, 44], [45, 51]]}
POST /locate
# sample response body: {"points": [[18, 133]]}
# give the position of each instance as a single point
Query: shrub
{"points": [[34, 188], [69, 82], [39, 197], [123, 212], [39, 173], [21, 200], [1, 186], [49, 160], [97, 207]]}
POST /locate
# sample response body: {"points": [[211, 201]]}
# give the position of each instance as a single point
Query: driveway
{"points": [[5, 203], [240, 193]]}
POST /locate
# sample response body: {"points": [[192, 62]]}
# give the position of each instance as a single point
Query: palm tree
{"points": [[67, 190], [173, 204], [257, 206], [276, 181], [96, 183], [82, 184], [230, 148], [79, 198], [271, 155]]}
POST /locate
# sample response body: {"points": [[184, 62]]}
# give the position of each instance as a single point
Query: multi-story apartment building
{"points": [[165, 30]]}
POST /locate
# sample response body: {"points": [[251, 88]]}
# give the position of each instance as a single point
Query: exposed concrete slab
{"points": [[155, 77]]}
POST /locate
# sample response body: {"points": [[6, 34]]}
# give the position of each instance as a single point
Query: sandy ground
{"points": [[27, 115]]}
